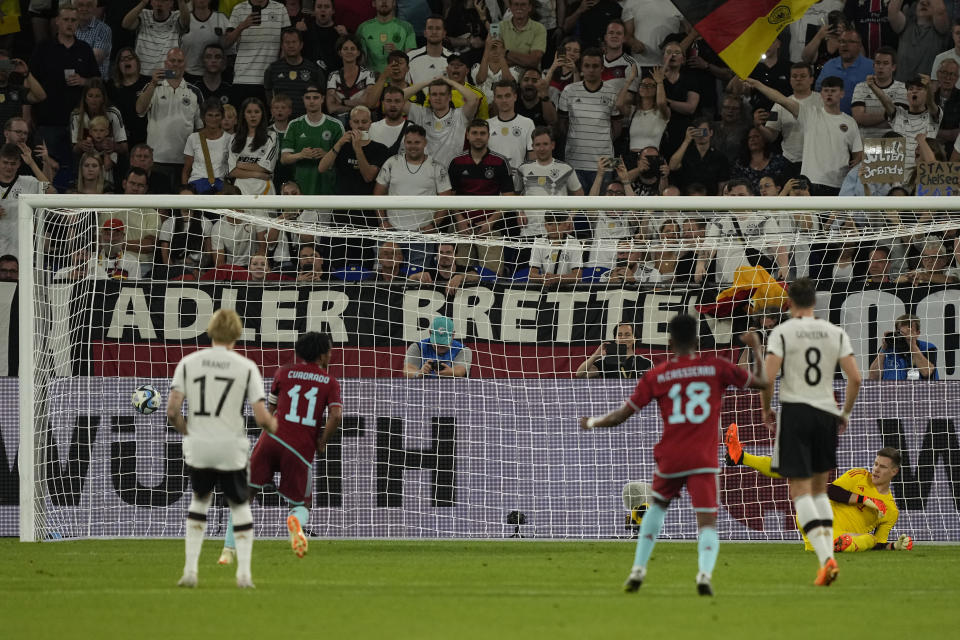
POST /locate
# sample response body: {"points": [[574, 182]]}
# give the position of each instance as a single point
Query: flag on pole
{"points": [[740, 31]]}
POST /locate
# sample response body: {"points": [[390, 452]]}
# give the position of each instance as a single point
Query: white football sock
{"points": [[243, 535], [196, 526], [822, 504], [809, 520]]}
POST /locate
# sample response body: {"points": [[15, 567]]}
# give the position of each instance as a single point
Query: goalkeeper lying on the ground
{"points": [[864, 510]]}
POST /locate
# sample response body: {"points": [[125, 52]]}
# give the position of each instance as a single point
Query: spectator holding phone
{"points": [[255, 28], [438, 355], [620, 361], [158, 30], [903, 356], [172, 109], [696, 160]]}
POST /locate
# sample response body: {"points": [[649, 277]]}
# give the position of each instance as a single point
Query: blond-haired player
{"points": [[215, 382], [864, 510]]}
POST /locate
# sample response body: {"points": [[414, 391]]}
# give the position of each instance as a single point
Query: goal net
{"points": [[554, 314]]}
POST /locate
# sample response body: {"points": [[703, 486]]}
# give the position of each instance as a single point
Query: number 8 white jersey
{"points": [[810, 348], [216, 382]]}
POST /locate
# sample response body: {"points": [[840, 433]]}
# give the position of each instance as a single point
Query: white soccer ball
{"points": [[146, 399]]}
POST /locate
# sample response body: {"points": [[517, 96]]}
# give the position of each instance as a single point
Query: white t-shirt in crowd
{"points": [[790, 129], [423, 67], [258, 45], [234, 240], [646, 129], [219, 155], [589, 114], [864, 96], [386, 134], [264, 156], [172, 116], [511, 138], [445, 135], [117, 129], [909, 125], [155, 39], [949, 54], [556, 258], [403, 178], [758, 231], [828, 141], [200, 35], [653, 21], [9, 238], [555, 178]]}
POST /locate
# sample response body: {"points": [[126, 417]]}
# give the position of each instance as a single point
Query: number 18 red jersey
{"points": [[301, 392], [689, 390]]}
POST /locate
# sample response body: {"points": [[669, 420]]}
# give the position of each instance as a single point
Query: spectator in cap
{"points": [[438, 355], [113, 261]]}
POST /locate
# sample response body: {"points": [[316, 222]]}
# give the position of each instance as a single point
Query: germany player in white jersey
{"points": [[216, 382], [808, 350]]}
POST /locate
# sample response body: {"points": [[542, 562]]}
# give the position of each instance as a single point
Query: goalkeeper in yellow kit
{"points": [[864, 510]]}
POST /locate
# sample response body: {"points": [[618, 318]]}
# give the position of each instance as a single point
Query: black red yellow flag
{"points": [[741, 30]]}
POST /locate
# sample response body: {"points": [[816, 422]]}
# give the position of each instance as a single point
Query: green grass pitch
{"points": [[467, 589]]}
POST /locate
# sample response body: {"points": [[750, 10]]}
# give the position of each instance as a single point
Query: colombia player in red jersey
{"points": [[689, 389], [298, 397]]}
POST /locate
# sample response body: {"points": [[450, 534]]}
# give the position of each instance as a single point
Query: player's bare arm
{"points": [[265, 420], [175, 412], [612, 419], [334, 418]]}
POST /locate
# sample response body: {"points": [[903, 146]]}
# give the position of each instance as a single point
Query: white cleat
{"points": [[188, 580], [635, 579], [245, 582], [227, 556]]}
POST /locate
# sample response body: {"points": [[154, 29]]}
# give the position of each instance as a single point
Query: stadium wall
{"points": [[453, 458]]}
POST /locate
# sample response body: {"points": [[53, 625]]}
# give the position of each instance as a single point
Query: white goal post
{"points": [[498, 454]]}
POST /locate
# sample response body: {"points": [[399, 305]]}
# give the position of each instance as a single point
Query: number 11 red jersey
{"points": [[301, 392], [689, 390]]}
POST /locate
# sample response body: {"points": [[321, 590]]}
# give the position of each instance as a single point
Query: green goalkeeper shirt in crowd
{"points": [[375, 35], [302, 134]]}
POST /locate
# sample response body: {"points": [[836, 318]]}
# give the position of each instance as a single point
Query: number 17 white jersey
{"points": [[810, 348], [216, 382]]}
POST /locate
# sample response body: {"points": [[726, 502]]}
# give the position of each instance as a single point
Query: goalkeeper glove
{"points": [[870, 503], [842, 543], [903, 543]]}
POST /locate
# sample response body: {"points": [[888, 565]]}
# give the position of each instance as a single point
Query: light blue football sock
{"points": [[228, 538], [302, 514], [708, 546], [649, 530]]}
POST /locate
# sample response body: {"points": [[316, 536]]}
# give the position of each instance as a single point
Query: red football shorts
{"points": [[271, 456], [702, 488]]}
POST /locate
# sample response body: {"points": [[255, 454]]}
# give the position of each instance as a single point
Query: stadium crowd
{"points": [[470, 97]]}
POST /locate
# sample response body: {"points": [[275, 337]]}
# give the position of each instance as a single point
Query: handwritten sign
{"points": [[883, 160], [938, 179]]}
